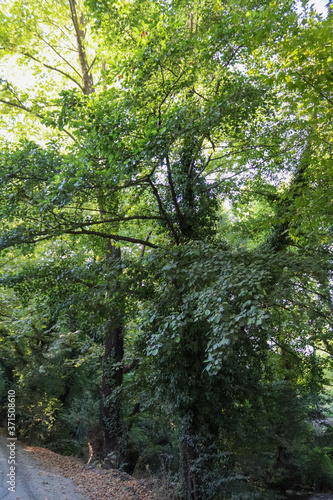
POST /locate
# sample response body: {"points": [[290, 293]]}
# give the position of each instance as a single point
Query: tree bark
{"points": [[116, 443], [189, 477], [87, 80], [112, 420]]}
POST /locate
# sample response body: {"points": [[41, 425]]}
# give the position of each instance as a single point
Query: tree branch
{"points": [[86, 283], [91, 65], [131, 366], [114, 237], [173, 193], [143, 246], [163, 212], [314, 87], [28, 110], [199, 95], [166, 96], [86, 77], [21, 107], [118, 219], [60, 55], [52, 68]]}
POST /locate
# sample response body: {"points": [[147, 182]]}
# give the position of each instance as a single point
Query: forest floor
{"points": [[95, 483], [44, 475]]}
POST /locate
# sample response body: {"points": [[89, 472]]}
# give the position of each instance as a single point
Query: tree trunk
{"points": [[189, 476], [112, 421], [87, 80], [111, 414]]}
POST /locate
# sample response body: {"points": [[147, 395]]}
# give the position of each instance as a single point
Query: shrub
{"points": [[316, 469]]}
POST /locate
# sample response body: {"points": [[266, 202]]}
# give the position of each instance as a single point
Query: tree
{"points": [[182, 119], [42, 36]]}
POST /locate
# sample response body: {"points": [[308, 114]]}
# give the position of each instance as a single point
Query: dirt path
{"points": [[24, 479], [41, 474]]}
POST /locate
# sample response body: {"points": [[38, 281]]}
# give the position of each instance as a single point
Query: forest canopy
{"points": [[166, 242]]}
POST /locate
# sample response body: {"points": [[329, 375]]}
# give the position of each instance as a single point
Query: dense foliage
{"points": [[166, 243]]}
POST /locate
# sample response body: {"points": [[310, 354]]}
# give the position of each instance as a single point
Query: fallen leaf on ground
{"points": [[98, 484]]}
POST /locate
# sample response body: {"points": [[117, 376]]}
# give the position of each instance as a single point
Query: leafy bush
{"points": [[316, 469]]}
